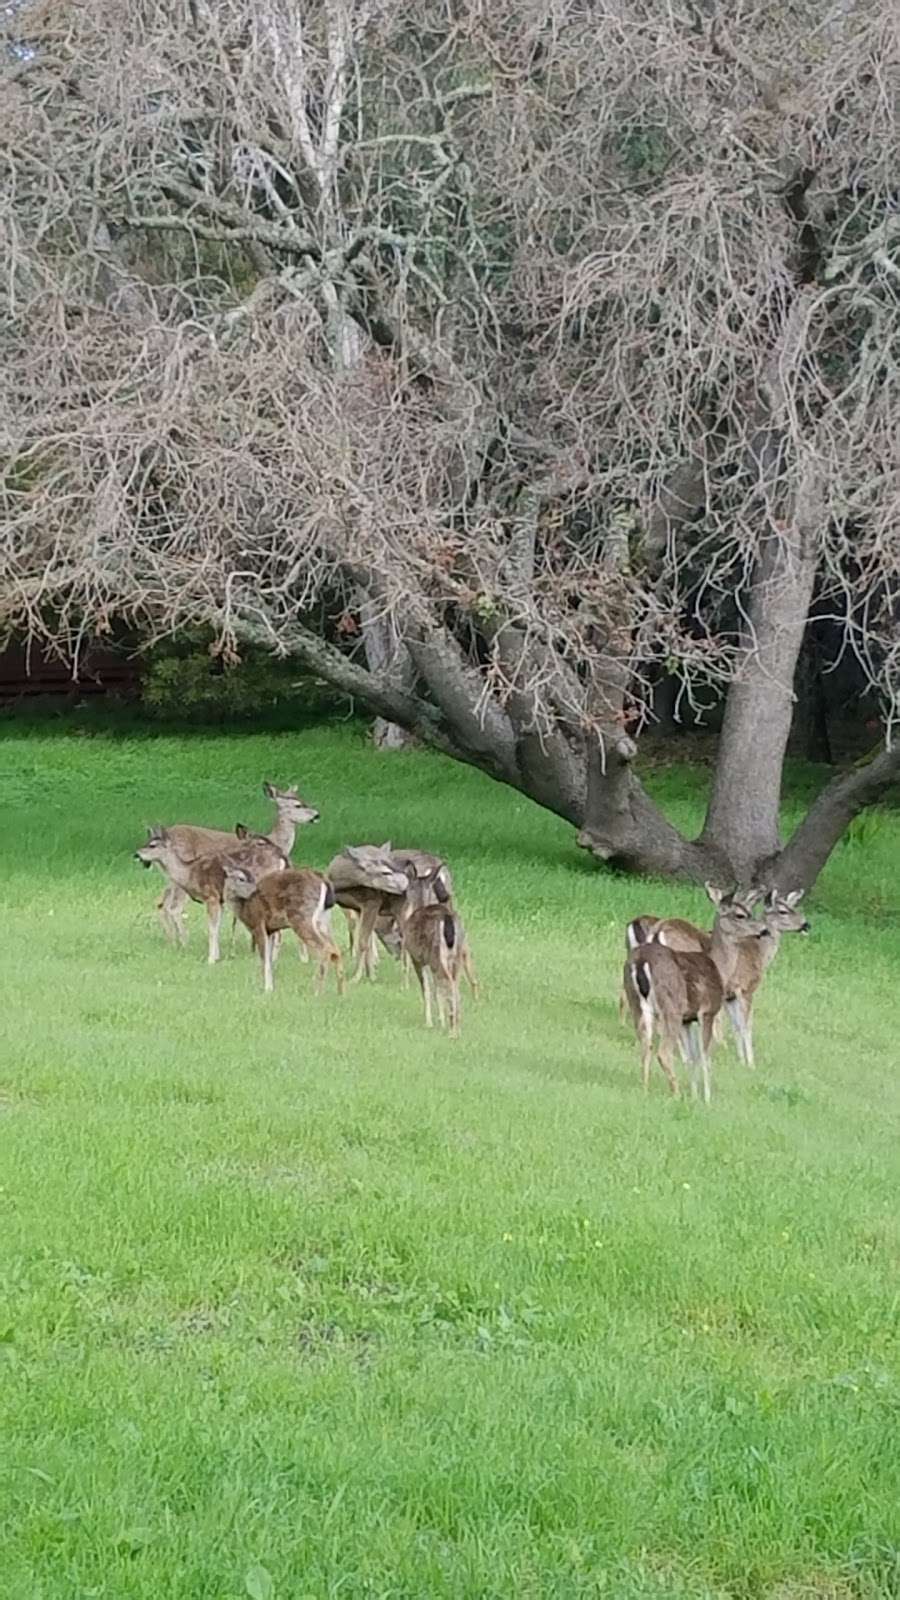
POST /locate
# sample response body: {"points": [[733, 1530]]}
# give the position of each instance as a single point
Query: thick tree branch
{"points": [[808, 849]]}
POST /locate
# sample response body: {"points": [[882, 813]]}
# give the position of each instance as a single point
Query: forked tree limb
{"points": [[809, 847]]}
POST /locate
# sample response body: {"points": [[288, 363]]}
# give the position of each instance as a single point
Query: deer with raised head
{"points": [[677, 995], [192, 841], [202, 878], [434, 939], [297, 899], [780, 916]]}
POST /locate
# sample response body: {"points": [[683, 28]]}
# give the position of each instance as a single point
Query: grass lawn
{"points": [[298, 1300]]}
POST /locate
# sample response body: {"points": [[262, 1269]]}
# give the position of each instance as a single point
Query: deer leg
{"points": [[213, 923], [363, 942], [468, 967], [692, 1045], [171, 913], [454, 1008], [664, 1057], [166, 919], [705, 1023], [438, 984], [735, 1008], [424, 978], [268, 984], [748, 1030]]}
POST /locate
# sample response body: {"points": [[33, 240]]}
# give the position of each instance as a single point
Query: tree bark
{"points": [[388, 658], [625, 827], [742, 820]]}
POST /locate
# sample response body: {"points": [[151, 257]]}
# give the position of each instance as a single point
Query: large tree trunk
{"points": [[742, 820], [623, 826]]}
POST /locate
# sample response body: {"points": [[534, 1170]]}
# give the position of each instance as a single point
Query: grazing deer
{"points": [[297, 899], [780, 915], [367, 885], [434, 938], [202, 878], [678, 994], [191, 842]]}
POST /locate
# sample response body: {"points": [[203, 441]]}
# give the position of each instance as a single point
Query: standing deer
{"points": [[753, 960], [297, 899], [434, 938], [678, 994], [191, 842], [202, 878], [637, 932], [780, 915], [367, 886], [433, 887]]}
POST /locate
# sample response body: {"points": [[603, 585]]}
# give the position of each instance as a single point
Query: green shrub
{"points": [[186, 680]]}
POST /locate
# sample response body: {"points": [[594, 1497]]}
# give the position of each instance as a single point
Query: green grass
{"points": [[299, 1300]]}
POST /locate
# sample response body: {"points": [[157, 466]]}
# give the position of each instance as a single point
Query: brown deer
{"points": [[432, 887], [191, 842], [202, 878], [780, 915], [434, 938], [677, 994], [637, 932], [367, 885], [297, 899]]}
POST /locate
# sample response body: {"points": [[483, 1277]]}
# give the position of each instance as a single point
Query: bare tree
{"points": [[488, 360]]}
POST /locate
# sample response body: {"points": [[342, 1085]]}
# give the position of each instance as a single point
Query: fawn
{"points": [[433, 887], [202, 878], [678, 994], [191, 842], [300, 899], [434, 939]]}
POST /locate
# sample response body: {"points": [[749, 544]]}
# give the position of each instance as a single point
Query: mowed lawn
{"points": [[301, 1301]]}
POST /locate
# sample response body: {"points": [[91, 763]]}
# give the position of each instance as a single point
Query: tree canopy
{"points": [[490, 359]]}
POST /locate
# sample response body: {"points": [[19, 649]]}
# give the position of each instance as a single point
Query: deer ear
{"points": [[715, 895], [241, 830], [794, 898], [771, 899], [387, 847], [292, 791], [269, 791], [753, 897], [409, 867]]}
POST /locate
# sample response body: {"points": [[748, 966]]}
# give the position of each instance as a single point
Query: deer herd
{"points": [[677, 979]]}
